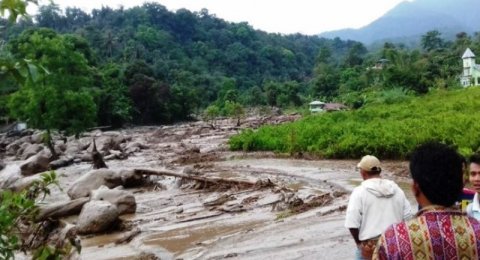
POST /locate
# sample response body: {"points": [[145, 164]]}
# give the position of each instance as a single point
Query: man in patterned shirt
{"points": [[439, 231]]}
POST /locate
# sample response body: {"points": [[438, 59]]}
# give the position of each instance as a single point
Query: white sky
{"points": [[278, 16]]}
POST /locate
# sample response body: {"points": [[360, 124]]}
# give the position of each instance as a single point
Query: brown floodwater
{"points": [[178, 240]]}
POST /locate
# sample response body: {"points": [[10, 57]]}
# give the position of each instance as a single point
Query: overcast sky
{"points": [[278, 16]]}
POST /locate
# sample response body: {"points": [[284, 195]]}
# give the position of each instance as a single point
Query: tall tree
{"points": [[432, 40], [59, 99]]}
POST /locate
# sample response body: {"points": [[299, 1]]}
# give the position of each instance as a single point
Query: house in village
{"points": [[471, 70], [316, 106]]}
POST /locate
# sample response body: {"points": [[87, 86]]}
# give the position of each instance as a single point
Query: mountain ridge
{"points": [[412, 19]]}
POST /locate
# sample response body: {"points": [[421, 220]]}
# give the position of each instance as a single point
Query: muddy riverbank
{"points": [[295, 210]]}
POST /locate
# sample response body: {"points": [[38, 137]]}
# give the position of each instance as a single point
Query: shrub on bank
{"points": [[386, 130]]}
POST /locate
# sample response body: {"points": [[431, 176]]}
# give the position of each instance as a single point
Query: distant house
{"points": [[381, 64], [471, 70], [319, 106], [316, 106]]}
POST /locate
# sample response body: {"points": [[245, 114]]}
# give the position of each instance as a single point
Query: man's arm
{"points": [[355, 232], [353, 217]]}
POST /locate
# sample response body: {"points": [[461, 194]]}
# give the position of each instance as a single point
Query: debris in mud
{"points": [[229, 255], [232, 208], [214, 201], [317, 201], [218, 200], [209, 182], [196, 157], [339, 208], [127, 237]]}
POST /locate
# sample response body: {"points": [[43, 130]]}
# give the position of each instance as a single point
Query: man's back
{"points": [[374, 205], [436, 233]]}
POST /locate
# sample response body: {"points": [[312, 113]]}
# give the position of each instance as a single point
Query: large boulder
{"points": [[106, 142], [14, 147], [134, 147], [122, 199], [60, 147], [25, 182], [35, 164], [75, 146], [22, 148], [97, 216], [37, 138], [30, 150], [9, 175], [94, 179]]}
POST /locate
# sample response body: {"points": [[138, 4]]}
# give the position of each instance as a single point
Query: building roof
{"points": [[468, 54], [316, 102]]}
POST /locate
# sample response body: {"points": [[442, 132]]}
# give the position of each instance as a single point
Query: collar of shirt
{"points": [[436, 208], [475, 203]]}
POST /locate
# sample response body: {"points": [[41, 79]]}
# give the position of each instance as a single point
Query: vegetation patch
{"points": [[387, 129]]}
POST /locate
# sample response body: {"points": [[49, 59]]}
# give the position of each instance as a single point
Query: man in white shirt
{"points": [[473, 209], [373, 206]]}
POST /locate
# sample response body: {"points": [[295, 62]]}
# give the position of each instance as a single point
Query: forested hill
{"points": [[173, 63]]}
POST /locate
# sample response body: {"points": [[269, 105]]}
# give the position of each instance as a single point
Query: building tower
{"points": [[468, 77]]}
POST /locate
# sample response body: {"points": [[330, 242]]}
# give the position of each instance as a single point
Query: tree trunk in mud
{"points": [[212, 181], [48, 140], [97, 158]]}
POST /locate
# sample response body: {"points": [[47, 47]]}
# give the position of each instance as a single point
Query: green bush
{"points": [[389, 128], [19, 229]]}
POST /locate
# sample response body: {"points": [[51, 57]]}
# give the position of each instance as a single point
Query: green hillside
{"points": [[386, 130]]}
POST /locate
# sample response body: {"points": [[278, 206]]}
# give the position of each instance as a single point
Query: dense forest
{"points": [[148, 65]]}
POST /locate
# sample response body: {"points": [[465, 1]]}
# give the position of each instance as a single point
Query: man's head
{"points": [[474, 171], [369, 166], [437, 174]]}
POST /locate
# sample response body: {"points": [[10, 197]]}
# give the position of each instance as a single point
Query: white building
{"points": [[471, 70], [316, 106]]}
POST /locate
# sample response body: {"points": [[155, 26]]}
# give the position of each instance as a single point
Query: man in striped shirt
{"points": [[439, 231]]}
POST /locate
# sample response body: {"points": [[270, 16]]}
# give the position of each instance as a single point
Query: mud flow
{"points": [[195, 199]]}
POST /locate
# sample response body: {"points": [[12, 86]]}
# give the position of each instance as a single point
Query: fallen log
{"points": [[61, 209], [208, 180]]}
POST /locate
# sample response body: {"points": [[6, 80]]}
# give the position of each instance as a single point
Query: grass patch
{"points": [[389, 130]]}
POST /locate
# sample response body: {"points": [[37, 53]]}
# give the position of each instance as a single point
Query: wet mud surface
{"points": [[299, 217]]}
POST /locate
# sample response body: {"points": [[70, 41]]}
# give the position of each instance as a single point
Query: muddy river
{"points": [[176, 219]]}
